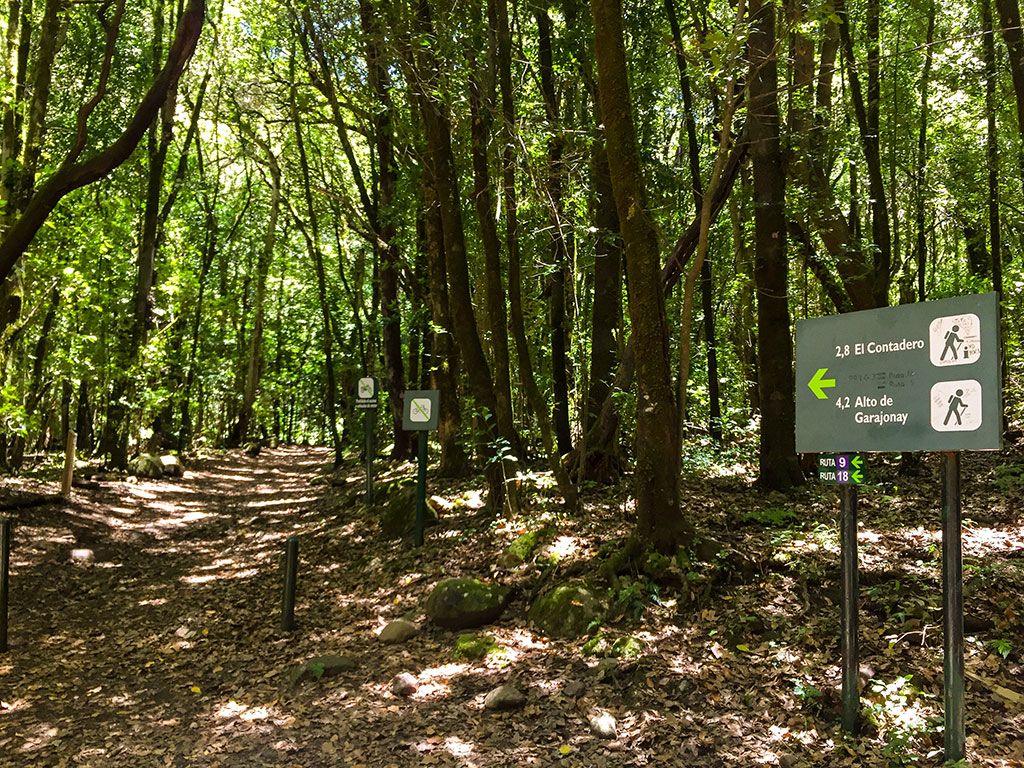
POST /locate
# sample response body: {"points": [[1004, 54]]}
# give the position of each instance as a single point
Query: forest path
{"points": [[118, 662], [166, 650]]}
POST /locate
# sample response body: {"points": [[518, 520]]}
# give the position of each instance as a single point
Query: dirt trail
{"points": [[118, 662], [166, 649]]}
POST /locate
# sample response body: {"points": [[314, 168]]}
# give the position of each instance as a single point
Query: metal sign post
{"points": [[420, 413], [366, 400], [917, 377], [848, 569], [952, 609]]}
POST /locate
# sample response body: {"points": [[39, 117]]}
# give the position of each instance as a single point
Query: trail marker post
{"points": [[5, 566], [367, 400], [917, 377], [420, 413]]}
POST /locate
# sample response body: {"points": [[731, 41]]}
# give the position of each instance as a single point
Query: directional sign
{"points": [[917, 377], [366, 393], [841, 470], [420, 410]]}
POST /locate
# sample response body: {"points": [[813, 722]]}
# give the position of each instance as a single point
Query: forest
{"points": [[592, 227]]}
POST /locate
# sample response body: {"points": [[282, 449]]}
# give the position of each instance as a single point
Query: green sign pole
{"points": [[952, 608], [848, 569], [421, 489]]}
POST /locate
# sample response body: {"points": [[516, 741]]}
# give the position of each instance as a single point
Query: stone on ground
{"points": [[146, 465], [519, 550], [466, 603], [603, 725], [320, 667], [82, 556], [474, 648], [172, 465], [567, 611], [398, 631], [504, 698], [404, 684]]}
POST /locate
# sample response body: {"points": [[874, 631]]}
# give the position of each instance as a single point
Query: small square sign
{"points": [[420, 409], [956, 406], [366, 393], [954, 340]]}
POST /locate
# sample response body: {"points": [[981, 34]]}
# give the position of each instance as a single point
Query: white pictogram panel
{"points": [[956, 406], [954, 340]]}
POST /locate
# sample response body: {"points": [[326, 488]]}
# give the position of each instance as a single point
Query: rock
{"points": [[404, 684], [606, 668], [567, 611], [252, 449], [398, 631], [519, 550], [473, 648], [146, 465], [574, 689], [398, 515], [789, 760], [466, 603], [320, 667], [504, 698], [627, 648], [172, 465], [82, 556], [603, 726]]}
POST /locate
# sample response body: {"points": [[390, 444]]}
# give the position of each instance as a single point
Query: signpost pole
{"points": [[952, 608], [291, 572], [368, 416], [421, 489], [848, 568], [5, 563]]}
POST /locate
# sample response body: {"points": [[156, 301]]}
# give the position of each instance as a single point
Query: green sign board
{"points": [[840, 470], [420, 410], [917, 377]]}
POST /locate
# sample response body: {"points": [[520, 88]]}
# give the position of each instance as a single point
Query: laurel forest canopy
{"points": [[590, 226]]}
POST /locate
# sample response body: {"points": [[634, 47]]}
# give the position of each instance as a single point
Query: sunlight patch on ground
{"points": [[242, 574], [243, 712], [7, 707]]}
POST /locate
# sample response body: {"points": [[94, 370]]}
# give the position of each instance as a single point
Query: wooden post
{"points": [[69, 464]]}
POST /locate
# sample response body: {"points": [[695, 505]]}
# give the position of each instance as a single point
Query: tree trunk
{"points": [[437, 124], [1009, 21], [779, 468], [386, 245], [659, 520], [556, 279]]}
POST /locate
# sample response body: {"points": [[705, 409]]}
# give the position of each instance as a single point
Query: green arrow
{"points": [[817, 384], [857, 462], [857, 476]]}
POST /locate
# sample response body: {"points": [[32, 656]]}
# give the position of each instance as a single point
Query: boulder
{"points": [[252, 449], [398, 631], [146, 465], [466, 603], [83, 556], [398, 513], [568, 611], [504, 698]]}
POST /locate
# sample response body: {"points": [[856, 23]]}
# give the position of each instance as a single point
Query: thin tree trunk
{"points": [[779, 468], [920, 177], [1009, 21], [659, 520]]}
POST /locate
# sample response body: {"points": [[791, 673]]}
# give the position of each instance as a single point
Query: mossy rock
{"points": [[320, 667], [520, 550], [627, 648], [567, 611], [146, 465], [474, 647], [398, 513], [466, 603]]}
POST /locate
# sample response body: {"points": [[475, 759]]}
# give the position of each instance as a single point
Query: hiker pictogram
{"points": [[954, 340], [956, 406]]}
